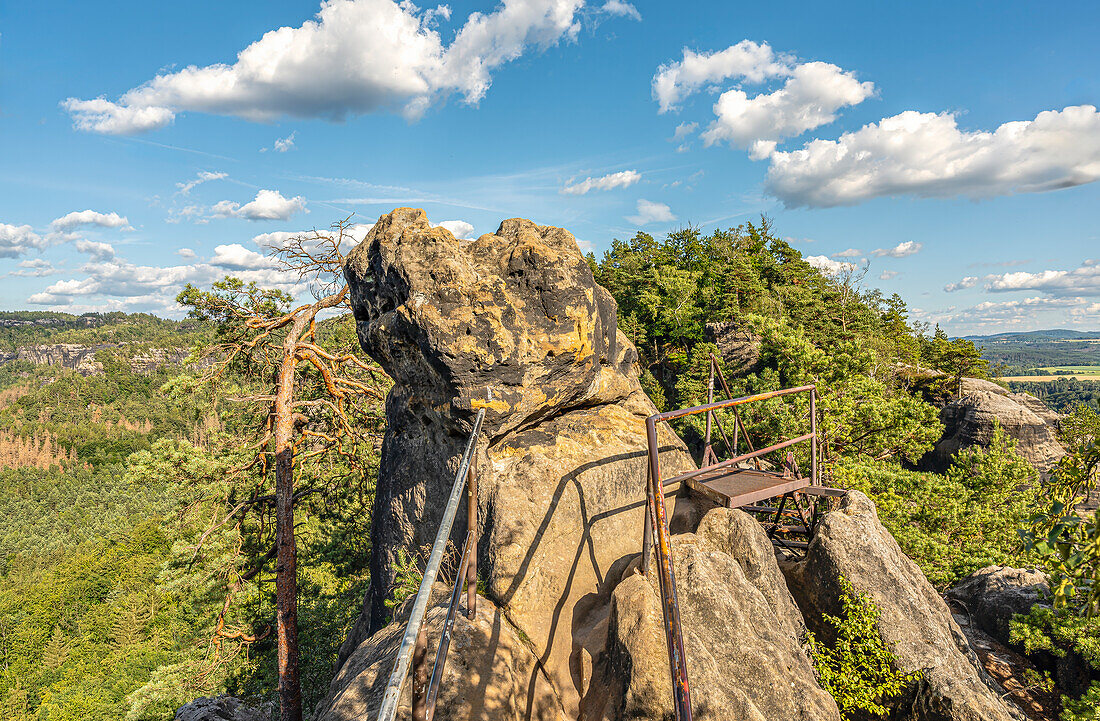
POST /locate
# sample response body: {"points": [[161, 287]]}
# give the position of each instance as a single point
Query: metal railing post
{"points": [[813, 442], [471, 561]]}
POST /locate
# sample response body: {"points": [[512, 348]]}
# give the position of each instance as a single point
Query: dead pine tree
{"points": [[309, 397]]}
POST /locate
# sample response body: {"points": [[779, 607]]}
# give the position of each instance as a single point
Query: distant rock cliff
{"points": [[81, 358]]}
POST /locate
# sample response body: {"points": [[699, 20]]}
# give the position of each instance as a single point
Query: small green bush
{"points": [[858, 668]]}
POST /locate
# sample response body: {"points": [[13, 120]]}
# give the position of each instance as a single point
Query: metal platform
{"points": [[736, 487]]}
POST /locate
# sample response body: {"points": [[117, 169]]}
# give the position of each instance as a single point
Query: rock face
{"points": [[991, 596], [490, 673], [915, 621], [968, 421], [81, 358], [561, 458], [222, 708], [742, 634], [738, 346]]}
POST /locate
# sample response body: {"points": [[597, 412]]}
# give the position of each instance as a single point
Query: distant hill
{"points": [[1036, 335]]}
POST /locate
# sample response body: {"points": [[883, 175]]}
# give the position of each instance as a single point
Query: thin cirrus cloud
{"points": [[651, 212], [204, 176], [355, 57], [267, 205], [621, 179], [927, 155]]}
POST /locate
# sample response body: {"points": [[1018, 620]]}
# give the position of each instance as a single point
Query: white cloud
{"points": [[204, 176], [901, 250], [755, 62], [651, 212], [684, 129], [850, 253], [99, 251], [282, 145], [81, 218], [828, 265], [1082, 281], [34, 268], [187, 254], [357, 56], [809, 99], [236, 257], [624, 9], [968, 282], [622, 179], [190, 212], [15, 240], [458, 228], [267, 205], [927, 155], [887, 275]]}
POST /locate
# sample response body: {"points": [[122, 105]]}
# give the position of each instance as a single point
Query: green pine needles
{"points": [[857, 668]]}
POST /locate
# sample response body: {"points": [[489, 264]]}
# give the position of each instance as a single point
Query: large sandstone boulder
{"points": [[738, 346], [490, 674], [515, 323], [222, 708], [742, 634], [915, 621], [969, 420], [991, 596]]}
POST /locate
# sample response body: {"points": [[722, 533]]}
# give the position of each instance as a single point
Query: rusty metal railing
{"points": [[656, 534], [414, 642]]}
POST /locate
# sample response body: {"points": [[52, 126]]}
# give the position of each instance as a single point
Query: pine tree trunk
{"points": [[286, 555]]}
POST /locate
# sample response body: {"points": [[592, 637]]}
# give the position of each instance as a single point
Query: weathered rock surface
{"points": [[738, 346], [991, 596], [222, 708], [561, 459], [490, 673], [742, 633], [915, 621], [968, 421]]}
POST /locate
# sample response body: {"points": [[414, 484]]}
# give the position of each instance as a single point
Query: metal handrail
{"points": [[414, 638]]}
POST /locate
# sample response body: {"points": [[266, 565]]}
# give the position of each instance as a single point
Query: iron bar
{"points": [[388, 709], [670, 607], [445, 635], [471, 525], [647, 531], [813, 430], [670, 415], [737, 459]]}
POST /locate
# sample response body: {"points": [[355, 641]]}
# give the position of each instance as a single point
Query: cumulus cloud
{"points": [[99, 251], [1082, 281], [810, 98], [204, 176], [624, 9], [754, 62], [187, 254], [355, 57], [828, 265], [267, 205], [236, 257], [928, 155], [622, 179], [34, 268], [901, 250], [458, 228], [684, 129], [968, 282], [81, 218], [651, 212], [15, 240], [849, 253], [887, 274]]}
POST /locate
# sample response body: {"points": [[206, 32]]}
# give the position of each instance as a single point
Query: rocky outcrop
{"points": [[969, 420], [915, 621], [490, 675], [991, 596], [742, 634], [81, 358], [515, 323], [222, 708], [738, 347]]}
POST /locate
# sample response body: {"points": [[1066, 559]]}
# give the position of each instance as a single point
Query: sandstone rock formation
{"points": [[561, 459], [491, 674], [991, 596], [81, 358], [222, 708], [742, 634], [915, 622], [738, 347], [968, 421]]}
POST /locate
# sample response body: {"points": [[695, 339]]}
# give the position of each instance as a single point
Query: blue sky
{"points": [[951, 147]]}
